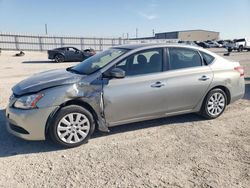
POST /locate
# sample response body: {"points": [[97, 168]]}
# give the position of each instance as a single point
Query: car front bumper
{"points": [[28, 124]]}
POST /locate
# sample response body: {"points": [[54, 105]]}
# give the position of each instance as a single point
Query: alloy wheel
{"points": [[216, 104], [59, 59], [73, 128]]}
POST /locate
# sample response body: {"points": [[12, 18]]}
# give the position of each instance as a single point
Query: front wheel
{"points": [[72, 126], [214, 104], [240, 49]]}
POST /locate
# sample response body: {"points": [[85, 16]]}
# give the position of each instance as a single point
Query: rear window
{"points": [[208, 59]]}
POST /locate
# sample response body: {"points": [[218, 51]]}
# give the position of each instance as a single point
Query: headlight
{"points": [[28, 102]]}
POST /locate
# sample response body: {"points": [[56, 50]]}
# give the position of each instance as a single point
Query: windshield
{"points": [[98, 61]]}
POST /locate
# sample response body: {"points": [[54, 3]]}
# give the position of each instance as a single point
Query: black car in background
{"points": [[69, 54]]}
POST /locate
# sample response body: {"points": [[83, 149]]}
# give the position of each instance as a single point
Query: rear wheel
{"points": [[72, 126], [59, 58], [214, 104]]}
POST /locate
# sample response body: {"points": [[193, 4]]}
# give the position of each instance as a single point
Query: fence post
{"points": [[40, 43], [95, 43], [61, 41], [82, 43], [16, 42], [100, 44], [55, 43]]}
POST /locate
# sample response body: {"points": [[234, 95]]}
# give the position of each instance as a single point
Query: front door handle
{"points": [[204, 78], [157, 84]]}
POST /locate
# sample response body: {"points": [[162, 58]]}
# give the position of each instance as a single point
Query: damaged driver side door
{"points": [[140, 94]]}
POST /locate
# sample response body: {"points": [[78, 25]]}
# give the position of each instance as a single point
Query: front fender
{"points": [[90, 94]]}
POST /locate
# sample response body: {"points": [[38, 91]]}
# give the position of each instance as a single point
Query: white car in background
{"points": [[238, 44], [243, 44]]}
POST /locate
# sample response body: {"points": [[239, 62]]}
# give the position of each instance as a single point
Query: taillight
{"points": [[240, 70]]}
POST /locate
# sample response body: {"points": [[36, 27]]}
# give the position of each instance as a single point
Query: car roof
{"points": [[132, 46], [147, 45]]}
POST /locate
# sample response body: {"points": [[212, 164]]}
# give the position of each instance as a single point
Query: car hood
{"points": [[44, 80]]}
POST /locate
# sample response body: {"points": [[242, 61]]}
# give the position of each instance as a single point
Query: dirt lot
{"points": [[182, 151]]}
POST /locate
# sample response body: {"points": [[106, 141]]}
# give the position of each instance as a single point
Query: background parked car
{"points": [[69, 54], [238, 44], [213, 44], [192, 43], [221, 42], [243, 44], [230, 46], [203, 44]]}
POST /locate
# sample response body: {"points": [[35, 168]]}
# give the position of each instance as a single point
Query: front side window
{"points": [[144, 62], [98, 61], [180, 58]]}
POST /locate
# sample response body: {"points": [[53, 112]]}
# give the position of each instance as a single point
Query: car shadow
{"points": [[37, 62], [40, 62], [11, 145], [149, 124]]}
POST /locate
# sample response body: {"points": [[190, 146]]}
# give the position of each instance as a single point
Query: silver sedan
{"points": [[121, 85]]}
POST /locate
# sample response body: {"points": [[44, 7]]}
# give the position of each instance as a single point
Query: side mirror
{"points": [[116, 73]]}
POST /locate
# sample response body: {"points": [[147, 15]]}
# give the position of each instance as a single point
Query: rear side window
{"points": [[208, 59], [241, 40], [180, 58]]}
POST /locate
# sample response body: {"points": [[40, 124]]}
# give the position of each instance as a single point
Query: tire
{"points": [[240, 49], [229, 50], [72, 126], [59, 58], [214, 104]]}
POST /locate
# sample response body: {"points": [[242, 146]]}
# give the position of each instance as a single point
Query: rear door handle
{"points": [[204, 78], [157, 84]]}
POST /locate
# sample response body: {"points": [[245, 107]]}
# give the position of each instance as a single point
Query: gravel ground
{"points": [[181, 151]]}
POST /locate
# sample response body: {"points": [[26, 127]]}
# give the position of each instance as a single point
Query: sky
{"points": [[116, 18]]}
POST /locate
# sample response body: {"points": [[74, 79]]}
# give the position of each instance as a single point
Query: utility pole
{"points": [[46, 29], [153, 32], [136, 33]]}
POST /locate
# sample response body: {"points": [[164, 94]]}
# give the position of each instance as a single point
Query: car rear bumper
{"points": [[50, 56], [239, 91], [28, 124]]}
